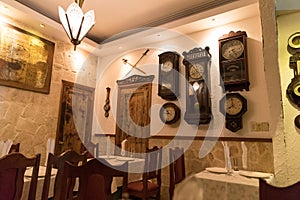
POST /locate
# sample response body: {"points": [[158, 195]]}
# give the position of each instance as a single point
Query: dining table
{"points": [[219, 183], [135, 169]]}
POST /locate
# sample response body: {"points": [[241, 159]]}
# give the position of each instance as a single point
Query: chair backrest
{"points": [[58, 163], [177, 168], [14, 148], [88, 173], [153, 160], [12, 170], [267, 191]]}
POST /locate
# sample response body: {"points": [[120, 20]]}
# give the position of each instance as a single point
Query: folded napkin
{"points": [[227, 156], [1, 147], [123, 146], [49, 148], [5, 147], [108, 146], [244, 155]]}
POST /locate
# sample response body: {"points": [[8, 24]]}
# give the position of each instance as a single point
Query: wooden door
{"points": [[133, 112], [75, 117]]}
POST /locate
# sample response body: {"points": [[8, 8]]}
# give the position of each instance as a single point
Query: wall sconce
{"points": [[75, 23]]}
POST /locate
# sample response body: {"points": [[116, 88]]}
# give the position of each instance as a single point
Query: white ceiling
{"points": [[118, 18]]}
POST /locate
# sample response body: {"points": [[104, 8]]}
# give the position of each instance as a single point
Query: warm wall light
{"points": [[75, 23]]}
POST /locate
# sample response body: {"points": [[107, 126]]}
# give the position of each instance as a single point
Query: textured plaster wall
{"points": [[31, 118]]}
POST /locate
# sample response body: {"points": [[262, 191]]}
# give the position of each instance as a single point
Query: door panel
{"points": [[133, 112], [75, 117]]}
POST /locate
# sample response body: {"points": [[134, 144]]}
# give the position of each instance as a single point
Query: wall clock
{"points": [[233, 106], [233, 61], [169, 113], [168, 80], [197, 68]]}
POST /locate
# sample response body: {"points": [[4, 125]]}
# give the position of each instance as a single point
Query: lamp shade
{"points": [[75, 23]]}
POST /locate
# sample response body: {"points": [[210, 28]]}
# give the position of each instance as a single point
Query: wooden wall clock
{"points": [[168, 80], [233, 61], [169, 113], [233, 106], [197, 68]]}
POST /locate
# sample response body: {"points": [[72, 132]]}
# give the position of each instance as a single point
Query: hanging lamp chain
{"points": [[79, 2]]}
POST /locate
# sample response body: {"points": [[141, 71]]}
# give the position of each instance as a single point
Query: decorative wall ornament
{"points": [[25, 59], [293, 89], [107, 101]]}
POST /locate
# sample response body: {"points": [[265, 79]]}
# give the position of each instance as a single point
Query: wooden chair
{"points": [[12, 170], [58, 162], [152, 171], [95, 178], [269, 192], [14, 148], [177, 168]]}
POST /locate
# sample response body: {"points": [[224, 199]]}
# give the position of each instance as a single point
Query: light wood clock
{"points": [[233, 106], [197, 68], [233, 61], [168, 80]]}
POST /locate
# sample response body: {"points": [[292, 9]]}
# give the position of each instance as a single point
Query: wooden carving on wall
{"points": [[133, 112], [75, 117]]}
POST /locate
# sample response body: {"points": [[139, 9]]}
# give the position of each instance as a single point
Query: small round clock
{"points": [[196, 71], [233, 106], [232, 49], [169, 113]]}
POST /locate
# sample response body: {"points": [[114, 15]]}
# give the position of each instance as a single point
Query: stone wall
{"points": [[30, 118]]}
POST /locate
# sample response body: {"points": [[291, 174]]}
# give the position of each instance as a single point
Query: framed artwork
{"points": [[25, 59]]}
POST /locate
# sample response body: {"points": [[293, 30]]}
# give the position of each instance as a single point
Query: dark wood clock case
{"points": [[198, 105], [233, 61]]}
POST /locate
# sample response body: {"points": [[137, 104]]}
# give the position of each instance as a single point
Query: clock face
{"points": [[232, 49], [167, 66], [169, 113], [233, 105], [196, 71]]}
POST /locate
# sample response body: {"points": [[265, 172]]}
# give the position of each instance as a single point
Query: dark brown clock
{"points": [[168, 80], [233, 61], [197, 67], [169, 113], [233, 106]]}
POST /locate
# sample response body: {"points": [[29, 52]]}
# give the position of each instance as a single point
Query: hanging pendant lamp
{"points": [[75, 23]]}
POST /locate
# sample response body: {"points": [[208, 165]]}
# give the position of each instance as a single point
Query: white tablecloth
{"points": [[135, 169], [211, 186], [39, 190]]}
